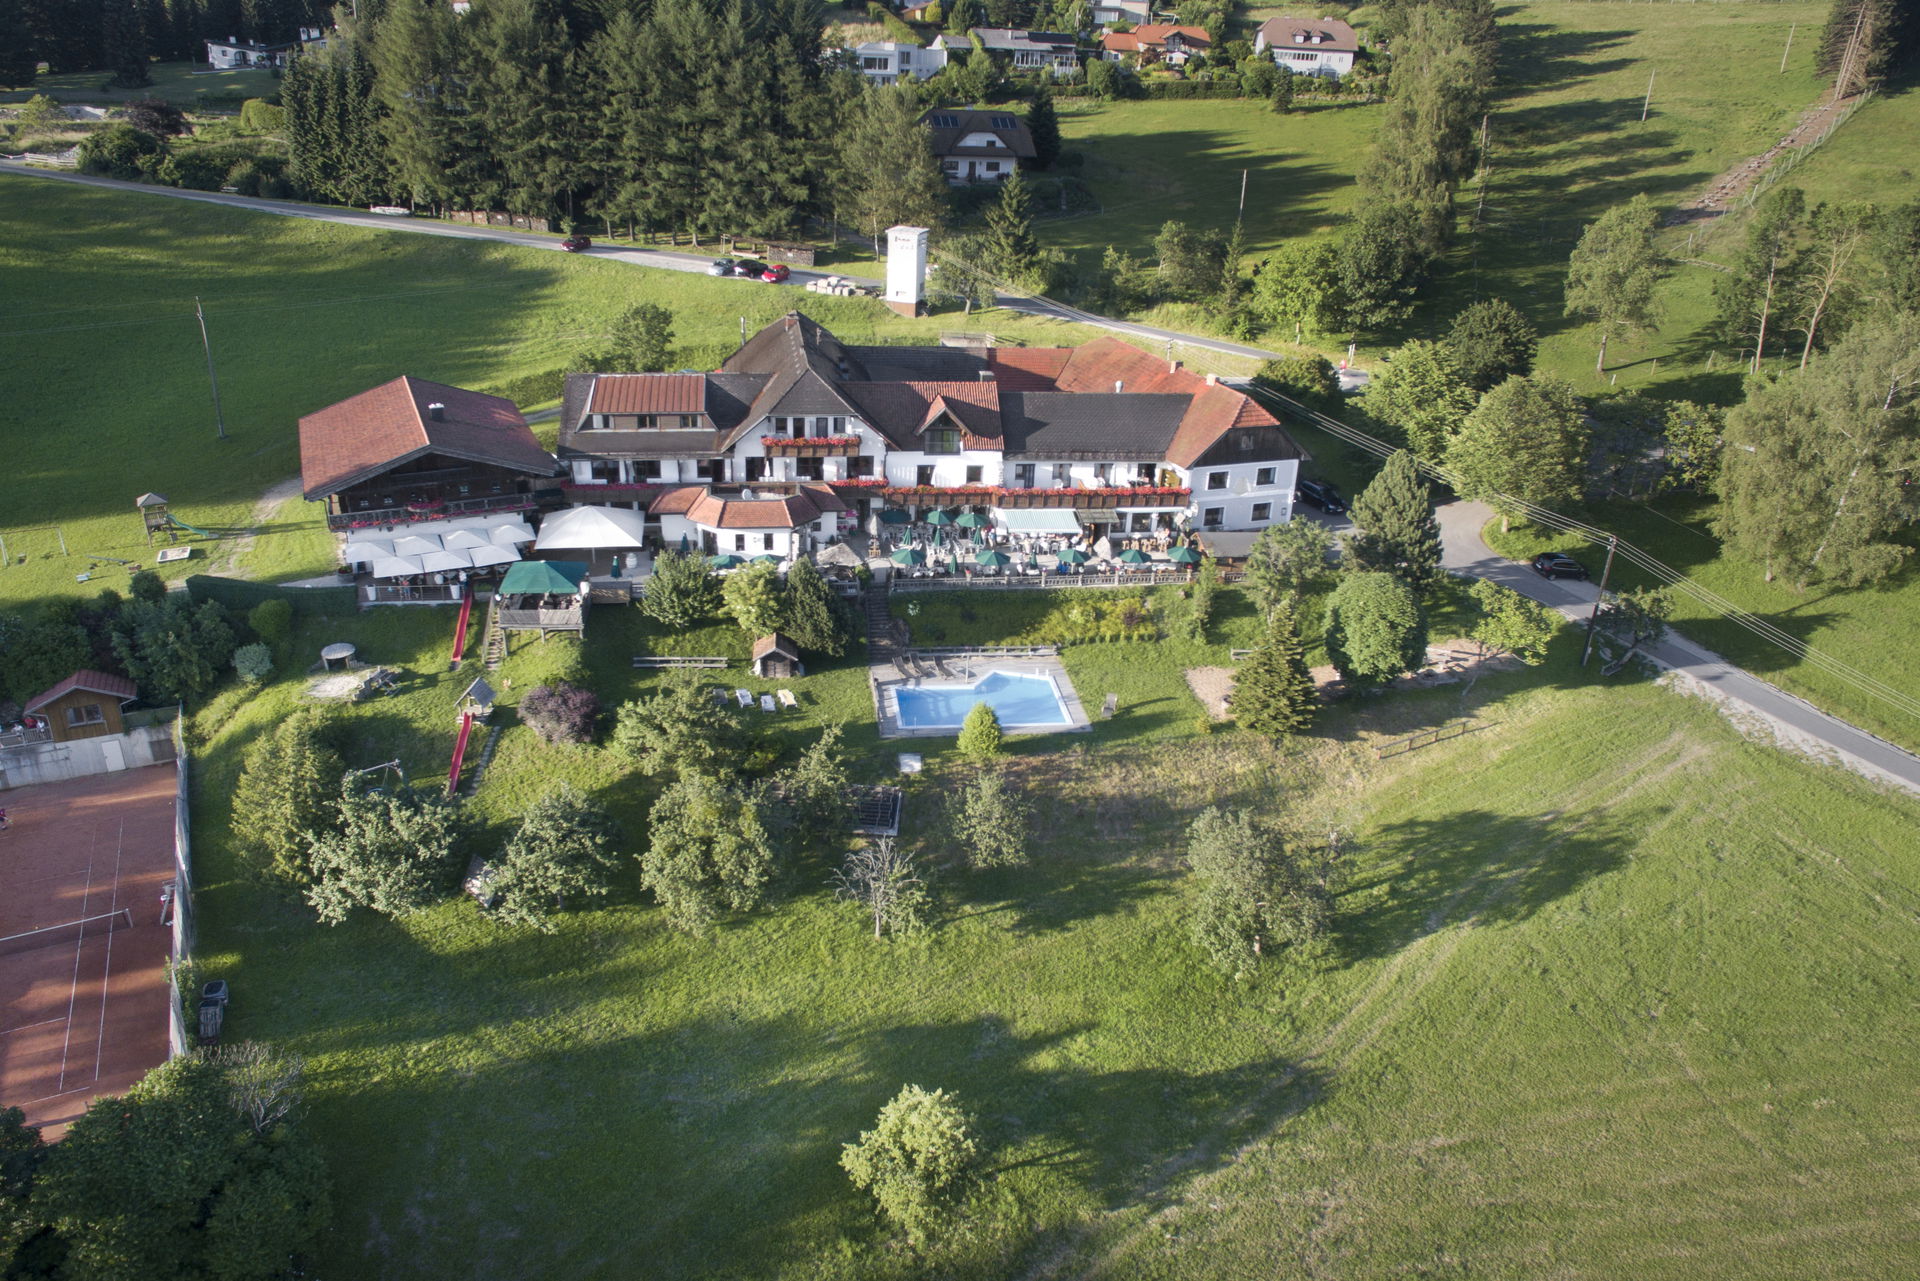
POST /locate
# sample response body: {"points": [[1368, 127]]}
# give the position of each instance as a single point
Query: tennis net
{"points": [[72, 932]]}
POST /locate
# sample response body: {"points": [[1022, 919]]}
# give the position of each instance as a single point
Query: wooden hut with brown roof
{"points": [[85, 705]]}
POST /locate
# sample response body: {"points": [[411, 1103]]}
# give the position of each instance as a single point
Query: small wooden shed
{"points": [[777, 657], [85, 705]]}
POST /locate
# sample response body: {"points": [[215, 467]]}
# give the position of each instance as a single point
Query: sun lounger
{"points": [[901, 667], [766, 702], [720, 693], [787, 700], [745, 696], [941, 667]]}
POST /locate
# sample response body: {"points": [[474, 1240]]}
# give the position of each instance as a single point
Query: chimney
{"points": [[437, 412], [986, 375], [1118, 386], [1213, 380], [1173, 366]]}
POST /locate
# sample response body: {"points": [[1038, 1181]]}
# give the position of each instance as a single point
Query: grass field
{"points": [[184, 84], [104, 357], [1611, 992]]}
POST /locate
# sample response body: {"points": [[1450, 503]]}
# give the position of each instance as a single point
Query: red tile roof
{"points": [[1105, 362], [384, 426], [1027, 368], [786, 511], [775, 643], [93, 682], [1157, 33], [648, 394]]}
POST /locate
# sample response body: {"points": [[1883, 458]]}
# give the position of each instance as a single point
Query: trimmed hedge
{"points": [[240, 596]]}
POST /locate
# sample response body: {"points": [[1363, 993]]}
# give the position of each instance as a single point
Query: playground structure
{"points": [[476, 704], [460, 631], [158, 520], [7, 553]]}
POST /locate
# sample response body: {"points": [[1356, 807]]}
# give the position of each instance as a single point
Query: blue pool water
{"points": [[1019, 702]]}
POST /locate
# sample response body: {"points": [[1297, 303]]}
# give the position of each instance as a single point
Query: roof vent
{"points": [[437, 412], [1118, 386], [986, 375], [1173, 366], [1213, 380]]}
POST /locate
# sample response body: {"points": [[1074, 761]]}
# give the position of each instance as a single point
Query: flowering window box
{"points": [[811, 446], [644, 490]]}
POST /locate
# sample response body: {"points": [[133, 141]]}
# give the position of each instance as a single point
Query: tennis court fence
{"points": [[177, 1043]]}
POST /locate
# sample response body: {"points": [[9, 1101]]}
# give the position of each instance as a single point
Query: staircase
{"points": [[495, 644], [480, 763], [883, 632]]}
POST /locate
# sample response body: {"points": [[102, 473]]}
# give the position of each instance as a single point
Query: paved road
{"points": [[661, 259], [1746, 698]]}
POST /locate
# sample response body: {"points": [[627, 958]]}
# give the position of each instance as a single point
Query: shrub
{"points": [[254, 663], [147, 586], [561, 713], [261, 116], [915, 1159], [271, 620], [980, 736]]}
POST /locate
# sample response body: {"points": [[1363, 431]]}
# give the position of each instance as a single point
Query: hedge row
{"points": [[239, 596]]}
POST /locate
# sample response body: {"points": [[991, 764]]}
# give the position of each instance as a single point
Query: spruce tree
{"points": [[417, 82], [123, 43], [814, 620], [1395, 529], [1273, 693], [286, 792], [887, 159], [1043, 123], [1011, 246], [566, 844]]}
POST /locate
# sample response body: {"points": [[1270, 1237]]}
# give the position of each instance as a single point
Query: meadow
{"points": [[188, 85], [1610, 992]]}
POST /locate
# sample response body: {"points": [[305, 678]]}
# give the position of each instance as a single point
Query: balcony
{"points": [[811, 446], [437, 510]]}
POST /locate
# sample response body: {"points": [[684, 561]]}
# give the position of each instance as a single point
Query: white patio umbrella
{"points": [[415, 545], [582, 528], [435, 562], [493, 555], [396, 566], [360, 551], [459, 540], [514, 533]]}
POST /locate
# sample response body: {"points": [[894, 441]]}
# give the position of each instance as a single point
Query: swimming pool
{"points": [[1021, 702]]}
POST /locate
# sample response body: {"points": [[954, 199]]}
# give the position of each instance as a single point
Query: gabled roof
{"points": [[1062, 425], [786, 511], [91, 681], [949, 125], [1329, 35], [648, 394], [901, 411], [387, 425], [722, 399], [1028, 368], [775, 643], [1152, 36], [803, 365]]}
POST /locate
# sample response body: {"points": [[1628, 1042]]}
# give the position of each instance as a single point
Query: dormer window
{"points": [[941, 440]]}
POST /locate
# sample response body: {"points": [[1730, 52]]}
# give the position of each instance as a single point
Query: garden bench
{"points": [[657, 662]]}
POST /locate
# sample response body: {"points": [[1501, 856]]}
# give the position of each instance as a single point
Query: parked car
{"points": [[575, 244], [1316, 493], [776, 273], [720, 267], [749, 268], [1558, 565]]}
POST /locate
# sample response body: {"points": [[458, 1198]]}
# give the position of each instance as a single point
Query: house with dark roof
{"points": [[977, 144], [798, 436], [1055, 52], [412, 450], [1324, 47]]}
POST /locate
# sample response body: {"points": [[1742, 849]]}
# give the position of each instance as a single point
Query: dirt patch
{"points": [[1212, 686], [1814, 124], [335, 685], [263, 511]]}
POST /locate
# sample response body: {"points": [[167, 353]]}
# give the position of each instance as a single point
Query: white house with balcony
{"points": [[1323, 47], [887, 61], [1104, 438], [977, 144], [1055, 52]]}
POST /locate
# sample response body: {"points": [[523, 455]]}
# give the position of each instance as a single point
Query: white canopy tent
{"points": [[397, 566], [415, 545], [505, 535], [457, 540], [361, 551], [492, 555], [436, 562], [584, 528]]}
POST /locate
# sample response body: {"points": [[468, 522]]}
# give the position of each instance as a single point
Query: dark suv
{"points": [[1558, 565], [1319, 494]]}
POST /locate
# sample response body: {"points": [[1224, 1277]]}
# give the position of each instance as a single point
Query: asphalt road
{"points": [[1746, 698]]}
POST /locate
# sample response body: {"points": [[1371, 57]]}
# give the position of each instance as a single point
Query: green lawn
{"points": [[1611, 993], [184, 84], [104, 357]]}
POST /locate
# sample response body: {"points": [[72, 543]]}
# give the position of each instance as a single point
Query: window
{"points": [[739, 542], [1103, 473], [766, 542], [944, 121], [1262, 512], [810, 468], [941, 440], [757, 469], [1143, 474], [923, 476], [1023, 475], [1216, 480], [874, 64], [713, 469], [993, 166], [822, 426], [1062, 474], [974, 475], [1000, 122], [647, 469], [1264, 476], [860, 465], [1212, 517], [88, 714]]}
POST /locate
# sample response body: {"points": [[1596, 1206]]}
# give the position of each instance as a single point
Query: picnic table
{"points": [[340, 652]]}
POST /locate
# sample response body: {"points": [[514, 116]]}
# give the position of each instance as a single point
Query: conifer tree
{"points": [[710, 851], [285, 793], [1491, 341], [1273, 692], [565, 846], [887, 158], [1043, 123], [1395, 529], [417, 82], [814, 619], [123, 48], [1010, 241]]}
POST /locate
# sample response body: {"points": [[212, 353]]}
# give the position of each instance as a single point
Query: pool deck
{"points": [[883, 679]]}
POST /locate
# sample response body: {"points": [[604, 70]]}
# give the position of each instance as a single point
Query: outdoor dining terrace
{"points": [[938, 549], [426, 509]]}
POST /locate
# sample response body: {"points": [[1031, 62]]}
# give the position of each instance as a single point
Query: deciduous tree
{"points": [[814, 790], [884, 881], [709, 852], [1613, 271], [1298, 286], [1491, 341], [1525, 443], [754, 598], [1510, 623], [1632, 620], [1753, 289], [917, 1159], [395, 850], [640, 341], [1256, 889], [992, 821], [1376, 629], [1422, 397], [566, 846]]}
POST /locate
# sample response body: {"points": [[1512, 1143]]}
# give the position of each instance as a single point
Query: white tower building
{"points": [[906, 269]]}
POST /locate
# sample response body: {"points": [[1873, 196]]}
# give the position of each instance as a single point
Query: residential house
{"points": [[798, 436], [1323, 47], [86, 704], [976, 144], [1155, 43], [234, 53], [886, 61], [415, 450], [1104, 13], [1055, 52]]}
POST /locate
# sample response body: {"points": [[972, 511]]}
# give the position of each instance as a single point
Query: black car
{"points": [[749, 268], [1558, 565], [1319, 494]]}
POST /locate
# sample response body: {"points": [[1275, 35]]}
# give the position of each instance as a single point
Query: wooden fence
{"points": [[1422, 738]]}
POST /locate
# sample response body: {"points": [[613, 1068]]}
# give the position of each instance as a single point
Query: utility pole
{"points": [[1784, 52], [1648, 104], [1241, 216], [1593, 620], [219, 422]]}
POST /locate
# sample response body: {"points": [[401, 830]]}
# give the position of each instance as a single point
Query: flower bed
{"points": [[795, 442]]}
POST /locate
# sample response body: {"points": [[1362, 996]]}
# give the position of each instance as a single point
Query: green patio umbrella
{"points": [[953, 564], [684, 548], [895, 516], [909, 556], [1074, 556], [972, 520], [726, 561], [543, 577], [1184, 556], [1134, 556], [937, 517], [993, 558], [764, 559]]}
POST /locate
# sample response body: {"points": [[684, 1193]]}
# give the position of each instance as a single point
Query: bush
{"points": [[261, 116], [147, 586], [980, 736], [117, 152], [1311, 380], [561, 713], [254, 663], [271, 620], [916, 1158]]}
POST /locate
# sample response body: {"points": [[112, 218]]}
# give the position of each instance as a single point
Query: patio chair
{"points": [[787, 700], [744, 696], [766, 702], [1108, 708]]}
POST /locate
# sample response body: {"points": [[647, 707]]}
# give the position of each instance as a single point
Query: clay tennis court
{"points": [[83, 1009]]}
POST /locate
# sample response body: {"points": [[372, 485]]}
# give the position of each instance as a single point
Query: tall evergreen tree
{"points": [[286, 792], [710, 851], [19, 57], [417, 80], [892, 176], [1436, 94], [1273, 692], [1043, 124], [1376, 629], [1395, 529], [814, 618], [123, 42], [1011, 245]]}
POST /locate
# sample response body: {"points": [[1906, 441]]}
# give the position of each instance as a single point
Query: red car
{"points": [[776, 274], [574, 244]]}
